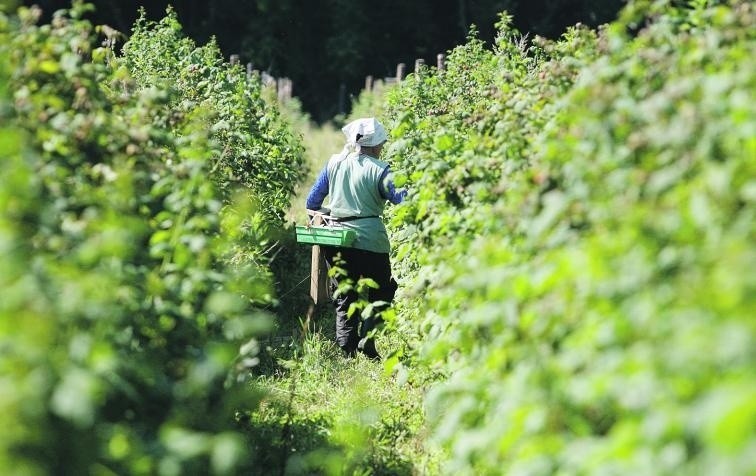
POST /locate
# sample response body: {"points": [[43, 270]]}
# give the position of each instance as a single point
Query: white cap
{"points": [[371, 132]]}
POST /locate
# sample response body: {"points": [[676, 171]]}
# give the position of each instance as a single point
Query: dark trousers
{"points": [[351, 331]]}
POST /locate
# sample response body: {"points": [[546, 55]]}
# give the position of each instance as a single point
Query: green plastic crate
{"points": [[325, 235]]}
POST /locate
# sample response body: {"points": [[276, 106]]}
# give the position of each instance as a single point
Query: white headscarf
{"points": [[371, 133]]}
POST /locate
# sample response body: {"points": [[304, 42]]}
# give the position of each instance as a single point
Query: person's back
{"points": [[354, 185], [354, 188]]}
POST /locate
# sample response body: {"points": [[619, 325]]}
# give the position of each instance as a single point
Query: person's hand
{"points": [[316, 216]]}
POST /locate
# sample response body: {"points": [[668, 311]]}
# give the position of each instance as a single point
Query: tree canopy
{"points": [[324, 44]]}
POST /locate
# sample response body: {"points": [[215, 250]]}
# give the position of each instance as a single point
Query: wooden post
{"points": [[369, 83], [440, 62], [284, 87], [267, 79], [399, 72], [419, 64], [318, 278], [318, 289], [234, 59]]}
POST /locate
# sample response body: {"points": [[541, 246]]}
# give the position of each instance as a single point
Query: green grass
{"points": [[326, 414]]}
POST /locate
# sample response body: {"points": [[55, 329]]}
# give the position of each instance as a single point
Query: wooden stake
{"points": [[440, 61], [318, 278]]}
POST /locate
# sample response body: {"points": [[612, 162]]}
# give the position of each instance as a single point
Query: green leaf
{"points": [[49, 66], [444, 142]]}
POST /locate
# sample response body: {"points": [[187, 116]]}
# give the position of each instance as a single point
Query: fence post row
{"points": [[284, 86], [400, 71]]}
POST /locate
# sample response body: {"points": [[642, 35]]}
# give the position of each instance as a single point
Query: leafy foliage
{"points": [[259, 151], [324, 44], [596, 195], [124, 327], [575, 257]]}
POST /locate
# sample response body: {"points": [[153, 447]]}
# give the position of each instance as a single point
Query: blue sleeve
{"points": [[388, 189], [318, 191]]}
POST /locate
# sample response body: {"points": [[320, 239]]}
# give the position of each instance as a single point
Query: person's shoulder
{"points": [[377, 162]]}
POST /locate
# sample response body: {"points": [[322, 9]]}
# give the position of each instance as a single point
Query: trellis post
{"points": [[318, 277], [399, 72]]}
